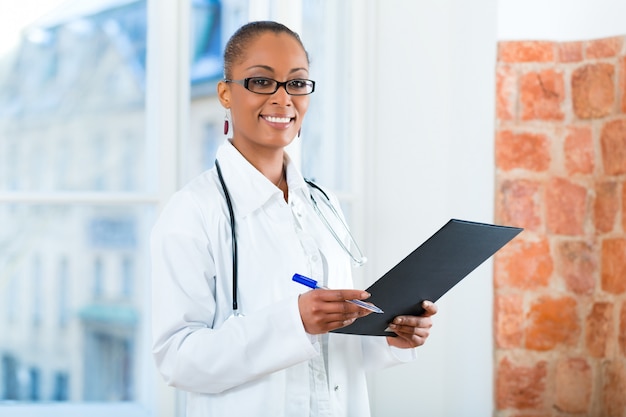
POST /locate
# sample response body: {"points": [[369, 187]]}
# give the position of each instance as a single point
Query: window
{"points": [[34, 384], [63, 294], [98, 278], [78, 197], [36, 292], [82, 176], [60, 391], [9, 377], [128, 277], [12, 290]]}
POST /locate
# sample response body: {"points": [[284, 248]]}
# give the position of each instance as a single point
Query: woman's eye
{"points": [[297, 84], [261, 82]]}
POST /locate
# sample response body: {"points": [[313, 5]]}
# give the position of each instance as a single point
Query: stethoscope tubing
{"points": [[233, 239], [358, 261]]}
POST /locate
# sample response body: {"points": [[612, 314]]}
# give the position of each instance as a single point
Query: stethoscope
{"points": [[357, 258]]}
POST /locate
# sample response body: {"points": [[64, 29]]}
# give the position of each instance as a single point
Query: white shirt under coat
{"points": [[259, 364]]}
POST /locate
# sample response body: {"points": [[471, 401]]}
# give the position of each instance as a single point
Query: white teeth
{"points": [[277, 119]]}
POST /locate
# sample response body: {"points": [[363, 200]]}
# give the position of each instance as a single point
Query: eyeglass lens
{"points": [[262, 85]]}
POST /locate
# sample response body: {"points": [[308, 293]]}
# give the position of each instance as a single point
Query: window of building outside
{"points": [[77, 185], [77, 202]]}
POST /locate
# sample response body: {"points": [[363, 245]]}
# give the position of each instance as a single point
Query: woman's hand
{"points": [[412, 331], [324, 310]]}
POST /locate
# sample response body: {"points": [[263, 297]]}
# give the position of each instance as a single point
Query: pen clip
{"points": [[301, 279]]}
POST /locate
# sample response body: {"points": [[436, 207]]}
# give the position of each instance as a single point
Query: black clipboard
{"points": [[430, 271]]}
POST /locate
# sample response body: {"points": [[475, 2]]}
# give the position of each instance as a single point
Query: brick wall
{"points": [[560, 287]]}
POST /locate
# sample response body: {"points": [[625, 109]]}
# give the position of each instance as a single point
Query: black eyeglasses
{"points": [[263, 85]]}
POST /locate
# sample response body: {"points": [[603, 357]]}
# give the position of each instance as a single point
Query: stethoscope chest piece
{"points": [[235, 315]]}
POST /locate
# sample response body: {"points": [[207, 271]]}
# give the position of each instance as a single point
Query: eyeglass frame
{"points": [[245, 84]]}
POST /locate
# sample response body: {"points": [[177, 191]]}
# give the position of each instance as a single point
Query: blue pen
{"points": [[311, 283]]}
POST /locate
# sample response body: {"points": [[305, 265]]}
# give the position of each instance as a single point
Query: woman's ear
{"points": [[223, 94]]}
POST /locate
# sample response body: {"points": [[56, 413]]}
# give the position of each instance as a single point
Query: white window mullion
{"points": [[167, 121], [167, 93], [72, 198], [362, 123], [75, 410], [289, 13]]}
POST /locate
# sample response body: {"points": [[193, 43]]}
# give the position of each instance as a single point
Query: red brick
{"points": [[604, 48], [506, 92], [593, 91], [518, 204], [509, 320], [570, 51], [614, 387], [614, 266], [565, 206], [526, 51], [574, 384], [541, 95], [606, 206], [522, 150], [599, 325], [613, 144], [577, 263], [520, 387], [579, 151], [532, 414], [523, 264], [622, 330], [551, 322], [622, 83], [624, 206]]}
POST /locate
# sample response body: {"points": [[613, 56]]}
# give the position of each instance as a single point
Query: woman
{"points": [[263, 350]]}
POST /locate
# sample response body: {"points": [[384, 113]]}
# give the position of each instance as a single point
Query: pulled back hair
{"points": [[236, 46]]}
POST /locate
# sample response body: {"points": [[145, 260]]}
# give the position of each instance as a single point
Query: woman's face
{"points": [[266, 121]]}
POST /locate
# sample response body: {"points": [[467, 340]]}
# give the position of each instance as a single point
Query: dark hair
{"points": [[236, 45]]}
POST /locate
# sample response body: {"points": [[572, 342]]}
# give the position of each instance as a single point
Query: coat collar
{"points": [[249, 189]]}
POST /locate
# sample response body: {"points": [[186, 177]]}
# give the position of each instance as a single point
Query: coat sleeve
{"points": [[189, 352]]}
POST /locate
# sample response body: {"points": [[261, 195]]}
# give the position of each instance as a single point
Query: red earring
{"points": [[299, 130], [225, 126]]}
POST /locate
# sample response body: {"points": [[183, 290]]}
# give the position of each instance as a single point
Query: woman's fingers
{"points": [[412, 331], [324, 310]]}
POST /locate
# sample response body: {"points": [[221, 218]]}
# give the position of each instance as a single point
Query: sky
{"points": [[16, 14]]}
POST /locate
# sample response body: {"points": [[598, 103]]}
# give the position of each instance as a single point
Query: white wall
{"points": [[429, 157], [429, 118], [560, 20]]}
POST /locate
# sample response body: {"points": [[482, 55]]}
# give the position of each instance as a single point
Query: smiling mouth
{"points": [[274, 119]]}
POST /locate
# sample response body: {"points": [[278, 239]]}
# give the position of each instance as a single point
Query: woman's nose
{"points": [[281, 96]]}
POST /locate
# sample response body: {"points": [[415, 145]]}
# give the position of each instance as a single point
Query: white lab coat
{"points": [[257, 364]]}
